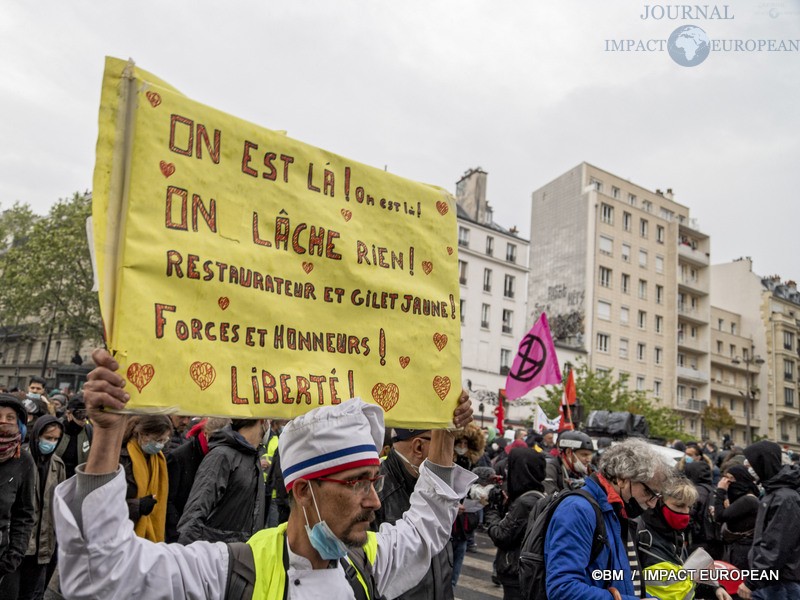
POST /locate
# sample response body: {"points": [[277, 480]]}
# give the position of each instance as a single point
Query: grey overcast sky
{"points": [[524, 89]]}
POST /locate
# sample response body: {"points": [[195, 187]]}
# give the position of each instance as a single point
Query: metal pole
{"points": [[747, 434]]}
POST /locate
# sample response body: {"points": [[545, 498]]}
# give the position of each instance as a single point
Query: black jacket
{"points": [[17, 513], [182, 465], [395, 497], [227, 501], [776, 540]]}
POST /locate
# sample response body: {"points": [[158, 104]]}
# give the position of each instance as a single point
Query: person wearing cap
{"points": [[330, 464], [76, 442], [17, 480], [573, 463], [400, 472]]}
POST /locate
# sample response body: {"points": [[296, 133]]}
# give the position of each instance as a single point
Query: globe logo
{"points": [[688, 45]]}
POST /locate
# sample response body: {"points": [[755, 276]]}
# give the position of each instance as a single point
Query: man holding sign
{"points": [[330, 464]]}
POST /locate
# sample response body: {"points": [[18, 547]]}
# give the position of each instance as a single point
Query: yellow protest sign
{"points": [[244, 273]]}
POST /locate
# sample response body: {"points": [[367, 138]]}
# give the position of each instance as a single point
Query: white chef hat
{"points": [[330, 439]]}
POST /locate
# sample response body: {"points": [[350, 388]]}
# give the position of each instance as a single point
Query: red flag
{"points": [[567, 401], [500, 412], [536, 362]]}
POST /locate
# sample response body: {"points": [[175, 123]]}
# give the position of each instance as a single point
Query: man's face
{"points": [[547, 438], [346, 511], [8, 416], [692, 452], [585, 456], [180, 422], [644, 493], [35, 388]]}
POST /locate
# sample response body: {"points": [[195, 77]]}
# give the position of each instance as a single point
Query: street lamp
{"points": [[748, 359], [481, 408]]}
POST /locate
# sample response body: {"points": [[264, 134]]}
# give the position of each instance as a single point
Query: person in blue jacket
{"points": [[630, 480]]}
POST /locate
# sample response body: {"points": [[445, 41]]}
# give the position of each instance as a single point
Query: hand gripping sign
{"points": [[243, 273]]}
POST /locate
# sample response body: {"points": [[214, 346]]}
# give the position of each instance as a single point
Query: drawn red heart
{"points": [[223, 302], [441, 385], [427, 266], [347, 214], [386, 395], [308, 267], [404, 360], [450, 250], [154, 98], [140, 375], [203, 374], [439, 340], [167, 169], [442, 207]]}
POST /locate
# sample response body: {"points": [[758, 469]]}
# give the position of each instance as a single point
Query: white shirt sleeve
{"points": [[108, 560], [406, 548]]}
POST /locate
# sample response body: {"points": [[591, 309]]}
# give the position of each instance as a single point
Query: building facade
{"points": [[622, 273], [493, 272]]}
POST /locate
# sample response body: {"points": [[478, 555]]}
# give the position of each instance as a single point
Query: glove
{"points": [[146, 505]]}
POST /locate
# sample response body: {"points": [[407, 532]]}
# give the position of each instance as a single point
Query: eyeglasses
{"points": [[652, 495], [360, 486], [79, 414]]}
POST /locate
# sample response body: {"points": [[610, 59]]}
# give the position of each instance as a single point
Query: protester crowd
{"points": [[571, 516]]}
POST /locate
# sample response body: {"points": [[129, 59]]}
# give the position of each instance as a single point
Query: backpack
{"points": [[704, 527], [532, 568]]}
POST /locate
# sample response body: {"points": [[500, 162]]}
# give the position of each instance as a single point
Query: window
{"points": [[623, 348], [659, 355], [657, 388], [643, 258], [788, 340], [733, 328], [632, 199], [624, 379], [640, 383], [733, 351], [463, 237], [462, 309], [626, 221], [626, 283], [489, 245], [606, 245], [719, 347], [487, 280], [462, 272], [659, 264], [788, 370], [508, 320], [660, 234], [643, 289], [681, 392], [624, 315], [509, 283], [605, 277], [604, 310], [602, 343], [641, 351], [505, 361], [784, 432], [659, 324], [643, 227], [485, 316], [666, 214], [615, 191], [641, 320], [647, 206], [607, 213], [596, 184], [511, 253], [626, 252], [659, 294], [720, 323], [681, 359], [788, 396]]}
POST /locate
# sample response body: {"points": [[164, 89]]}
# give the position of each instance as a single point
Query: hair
{"points": [[147, 425], [681, 490], [36, 379], [215, 424], [238, 424], [634, 460]]}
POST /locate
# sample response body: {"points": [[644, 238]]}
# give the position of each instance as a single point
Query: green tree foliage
{"points": [[46, 273], [604, 391], [717, 418]]}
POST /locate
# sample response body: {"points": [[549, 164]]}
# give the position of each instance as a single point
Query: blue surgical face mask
{"points": [[152, 447], [46, 447], [689, 459], [322, 538], [34, 396]]}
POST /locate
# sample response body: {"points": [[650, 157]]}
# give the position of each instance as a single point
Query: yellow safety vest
{"points": [[267, 546], [670, 587]]}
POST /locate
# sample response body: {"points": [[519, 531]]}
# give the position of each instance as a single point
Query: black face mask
{"points": [[632, 508], [737, 489]]}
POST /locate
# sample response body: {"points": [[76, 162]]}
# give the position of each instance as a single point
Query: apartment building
{"points": [[493, 276], [770, 322], [622, 273]]}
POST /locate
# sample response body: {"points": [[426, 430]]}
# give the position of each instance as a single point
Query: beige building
{"points": [[622, 272], [770, 317]]}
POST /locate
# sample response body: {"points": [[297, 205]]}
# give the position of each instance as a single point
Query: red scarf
{"points": [[10, 442], [613, 496], [197, 431]]}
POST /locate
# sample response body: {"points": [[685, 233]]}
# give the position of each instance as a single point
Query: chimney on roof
{"points": [[659, 193], [792, 285], [513, 230], [668, 195]]}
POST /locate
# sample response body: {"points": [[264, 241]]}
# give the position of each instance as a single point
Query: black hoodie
{"points": [[776, 540]]}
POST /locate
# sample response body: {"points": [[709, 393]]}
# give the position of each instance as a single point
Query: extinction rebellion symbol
{"points": [[532, 358]]}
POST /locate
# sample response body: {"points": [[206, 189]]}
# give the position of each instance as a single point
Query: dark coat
{"points": [[395, 497], [227, 501], [17, 513], [182, 466], [776, 540], [73, 447]]}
